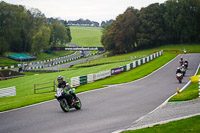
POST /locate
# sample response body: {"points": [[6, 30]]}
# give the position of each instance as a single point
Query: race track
{"points": [[104, 110]]}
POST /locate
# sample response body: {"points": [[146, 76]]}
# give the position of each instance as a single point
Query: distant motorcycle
{"points": [[186, 65], [183, 71], [181, 62], [179, 77], [185, 52], [66, 100]]}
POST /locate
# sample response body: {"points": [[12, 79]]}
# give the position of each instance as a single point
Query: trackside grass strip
{"points": [[189, 125]]}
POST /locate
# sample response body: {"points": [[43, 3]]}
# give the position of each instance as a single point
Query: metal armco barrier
{"points": [[6, 92], [82, 80]]}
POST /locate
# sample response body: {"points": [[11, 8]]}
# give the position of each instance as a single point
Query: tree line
{"points": [[172, 22], [28, 30], [82, 22]]}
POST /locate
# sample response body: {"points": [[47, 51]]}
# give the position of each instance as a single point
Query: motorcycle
{"points": [[186, 65], [179, 77], [183, 71], [181, 62], [66, 100]]}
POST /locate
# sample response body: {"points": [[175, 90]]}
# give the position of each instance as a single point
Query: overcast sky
{"points": [[96, 10]]}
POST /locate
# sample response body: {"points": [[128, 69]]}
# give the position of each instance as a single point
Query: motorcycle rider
{"points": [[65, 85], [181, 60], [184, 51], [178, 70], [183, 67], [186, 61]]}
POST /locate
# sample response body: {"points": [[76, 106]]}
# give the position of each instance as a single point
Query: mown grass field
{"points": [[86, 36], [189, 125], [24, 85], [191, 92]]}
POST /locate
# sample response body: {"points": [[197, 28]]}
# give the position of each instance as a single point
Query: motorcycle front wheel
{"points": [[78, 104], [64, 106]]}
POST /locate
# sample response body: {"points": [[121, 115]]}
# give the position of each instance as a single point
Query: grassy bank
{"points": [[191, 92], [86, 36], [190, 125]]}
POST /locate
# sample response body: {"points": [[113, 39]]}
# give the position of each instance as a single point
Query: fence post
{"points": [[199, 86], [34, 88], [54, 84]]}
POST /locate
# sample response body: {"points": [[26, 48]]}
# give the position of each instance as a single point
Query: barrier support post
{"points": [[54, 84], [34, 88]]}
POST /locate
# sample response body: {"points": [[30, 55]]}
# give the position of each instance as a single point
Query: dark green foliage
{"points": [[19, 27], [175, 22], [151, 29], [120, 36]]}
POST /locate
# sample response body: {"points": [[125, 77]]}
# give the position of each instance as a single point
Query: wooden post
{"points": [[34, 88], [54, 84]]}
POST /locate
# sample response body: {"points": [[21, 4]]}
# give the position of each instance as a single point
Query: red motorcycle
{"points": [[179, 77]]}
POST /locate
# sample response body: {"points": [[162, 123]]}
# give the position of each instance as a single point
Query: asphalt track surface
{"points": [[72, 56], [104, 110]]}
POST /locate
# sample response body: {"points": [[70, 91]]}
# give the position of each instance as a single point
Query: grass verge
{"points": [[189, 125], [190, 93]]}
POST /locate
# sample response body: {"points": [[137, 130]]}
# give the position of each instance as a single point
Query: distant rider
{"points": [[186, 61], [183, 67], [65, 85], [181, 61], [184, 51], [178, 70]]}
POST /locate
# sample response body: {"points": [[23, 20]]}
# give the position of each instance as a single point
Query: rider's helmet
{"points": [[60, 79], [178, 68], [181, 58], [183, 66]]}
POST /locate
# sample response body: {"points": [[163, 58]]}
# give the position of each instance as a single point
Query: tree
{"points": [[121, 34], [151, 30], [41, 39], [59, 33], [182, 20], [3, 45], [107, 39]]}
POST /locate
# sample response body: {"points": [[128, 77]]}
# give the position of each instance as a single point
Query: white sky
{"points": [[96, 10]]}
